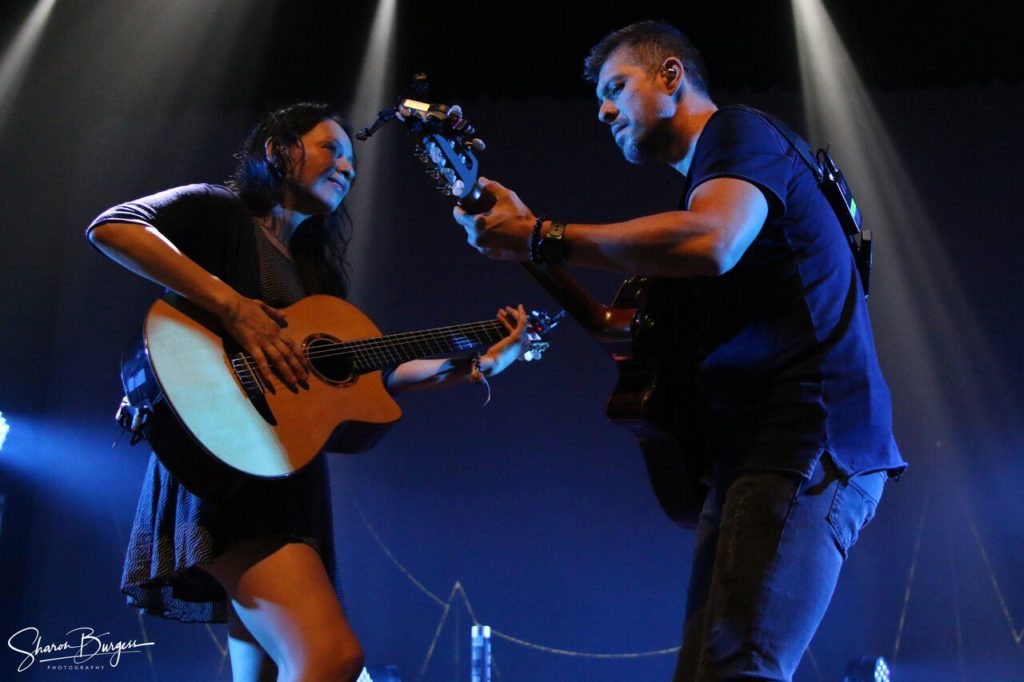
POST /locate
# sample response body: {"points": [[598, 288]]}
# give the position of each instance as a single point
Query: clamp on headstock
{"points": [[418, 87], [446, 143]]}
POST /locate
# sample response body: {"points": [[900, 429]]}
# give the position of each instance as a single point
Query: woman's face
{"points": [[322, 169]]}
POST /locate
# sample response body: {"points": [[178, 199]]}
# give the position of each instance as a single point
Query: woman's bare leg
{"points": [[249, 662], [284, 599]]}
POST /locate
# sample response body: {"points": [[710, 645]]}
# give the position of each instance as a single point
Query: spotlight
{"points": [[4, 428], [867, 669]]}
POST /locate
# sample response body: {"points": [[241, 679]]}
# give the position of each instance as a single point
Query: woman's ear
{"points": [[268, 148], [275, 164]]}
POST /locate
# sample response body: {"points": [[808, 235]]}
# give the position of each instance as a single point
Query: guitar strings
{"points": [[385, 347], [407, 338], [388, 347], [385, 344], [252, 379], [439, 331], [369, 353]]}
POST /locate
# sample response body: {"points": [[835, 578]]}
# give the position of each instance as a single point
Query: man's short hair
{"points": [[651, 43]]}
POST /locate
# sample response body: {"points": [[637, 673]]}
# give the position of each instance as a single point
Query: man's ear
{"points": [[672, 74], [268, 149]]}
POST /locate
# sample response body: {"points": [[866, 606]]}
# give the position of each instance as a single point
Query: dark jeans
{"points": [[769, 549]]}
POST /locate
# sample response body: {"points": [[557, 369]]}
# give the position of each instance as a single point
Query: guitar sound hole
{"points": [[331, 365]]}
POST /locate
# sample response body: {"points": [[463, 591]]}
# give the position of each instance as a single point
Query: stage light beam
{"points": [[16, 58], [4, 430], [940, 362], [372, 93], [917, 289]]}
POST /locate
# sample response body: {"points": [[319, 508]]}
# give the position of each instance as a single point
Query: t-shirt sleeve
{"points": [[741, 144], [182, 214]]}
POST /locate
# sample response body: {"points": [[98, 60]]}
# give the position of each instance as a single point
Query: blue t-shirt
{"points": [[777, 354]]}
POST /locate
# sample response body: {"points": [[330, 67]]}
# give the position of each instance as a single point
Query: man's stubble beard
{"points": [[652, 147]]}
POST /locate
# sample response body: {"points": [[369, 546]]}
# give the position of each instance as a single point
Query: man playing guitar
{"points": [[754, 314]]}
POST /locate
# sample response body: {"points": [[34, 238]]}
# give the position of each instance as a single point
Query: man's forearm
{"points": [[666, 244]]}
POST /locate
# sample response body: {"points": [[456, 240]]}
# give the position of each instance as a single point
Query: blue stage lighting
{"points": [[867, 669], [4, 428]]}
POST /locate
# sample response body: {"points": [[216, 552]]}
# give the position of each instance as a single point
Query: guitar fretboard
{"points": [[387, 351]]}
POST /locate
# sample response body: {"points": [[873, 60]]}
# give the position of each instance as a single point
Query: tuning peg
{"points": [[435, 153], [476, 144]]}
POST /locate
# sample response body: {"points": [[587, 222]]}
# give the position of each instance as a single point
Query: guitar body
{"points": [[647, 401], [211, 428]]}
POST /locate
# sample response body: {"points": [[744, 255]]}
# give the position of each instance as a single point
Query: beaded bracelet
{"points": [[535, 239], [476, 376]]}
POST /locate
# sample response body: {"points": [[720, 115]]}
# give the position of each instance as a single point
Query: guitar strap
{"points": [[833, 186]]}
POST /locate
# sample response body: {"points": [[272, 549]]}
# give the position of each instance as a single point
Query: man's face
{"points": [[636, 105]]}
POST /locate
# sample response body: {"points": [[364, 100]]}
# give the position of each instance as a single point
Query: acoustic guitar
{"points": [[212, 419]]}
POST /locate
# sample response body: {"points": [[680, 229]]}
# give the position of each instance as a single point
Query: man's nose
{"points": [[607, 112]]}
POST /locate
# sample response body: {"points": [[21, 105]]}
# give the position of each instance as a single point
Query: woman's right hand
{"points": [[254, 324], [257, 327]]}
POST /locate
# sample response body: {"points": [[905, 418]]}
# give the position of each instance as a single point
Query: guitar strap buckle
{"points": [[133, 418]]}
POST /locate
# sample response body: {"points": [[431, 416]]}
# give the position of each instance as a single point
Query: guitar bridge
{"points": [[248, 375], [252, 383]]}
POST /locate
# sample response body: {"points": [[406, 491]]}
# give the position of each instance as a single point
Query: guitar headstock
{"points": [[538, 324], [445, 142]]}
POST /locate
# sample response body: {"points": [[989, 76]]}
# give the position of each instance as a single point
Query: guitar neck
{"points": [[393, 349], [605, 323]]}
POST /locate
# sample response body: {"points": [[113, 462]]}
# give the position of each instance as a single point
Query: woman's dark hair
{"points": [[651, 43], [320, 242]]}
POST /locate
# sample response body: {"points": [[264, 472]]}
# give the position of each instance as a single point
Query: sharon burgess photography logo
{"points": [[80, 648]]}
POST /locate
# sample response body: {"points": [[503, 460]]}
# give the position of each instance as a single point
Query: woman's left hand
{"points": [[509, 349]]}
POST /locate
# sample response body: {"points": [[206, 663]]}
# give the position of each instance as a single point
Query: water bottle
{"points": [[480, 653]]}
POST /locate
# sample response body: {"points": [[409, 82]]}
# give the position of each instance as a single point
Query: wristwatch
{"points": [[553, 249]]}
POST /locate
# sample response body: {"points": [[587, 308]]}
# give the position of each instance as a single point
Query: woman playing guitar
{"points": [[261, 558]]}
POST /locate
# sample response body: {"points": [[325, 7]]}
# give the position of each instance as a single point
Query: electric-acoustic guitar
{"points": [[213, 420], [649, 399]]}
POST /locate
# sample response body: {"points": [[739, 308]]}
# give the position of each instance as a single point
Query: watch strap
{"points": [[553, 248]]}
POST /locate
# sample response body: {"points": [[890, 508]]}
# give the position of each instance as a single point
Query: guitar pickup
{"points": [[132, 418]]}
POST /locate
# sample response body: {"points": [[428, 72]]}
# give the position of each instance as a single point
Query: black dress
{"points": [[175, 532]]}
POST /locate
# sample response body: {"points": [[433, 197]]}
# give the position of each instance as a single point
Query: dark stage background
{"points": [[533, 514]]}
